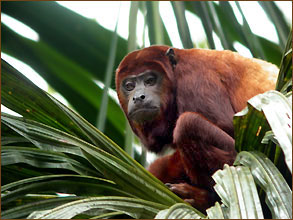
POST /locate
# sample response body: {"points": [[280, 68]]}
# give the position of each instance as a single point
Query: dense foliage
{"points": [[56, 164]]}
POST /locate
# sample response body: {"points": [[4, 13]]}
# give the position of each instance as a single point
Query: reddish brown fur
{"points": [[199, 97]]}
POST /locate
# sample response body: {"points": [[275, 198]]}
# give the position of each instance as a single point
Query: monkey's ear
{"points": [[171, 55]]}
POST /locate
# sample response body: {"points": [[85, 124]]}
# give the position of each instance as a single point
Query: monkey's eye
{"points": [[150, 80], [129, 85]]}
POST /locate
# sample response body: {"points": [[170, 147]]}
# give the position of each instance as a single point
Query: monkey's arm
{"points": [[204, 147], [170, 170]]}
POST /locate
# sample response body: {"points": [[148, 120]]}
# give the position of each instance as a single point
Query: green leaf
{"points": [[154, 22], [43, 159], [179, 11], [130, 179], [74, 82], [216, 212], [132, 44], [108, 215], [285, 76], [8, 136], [179, 211], [237, 189], [107, 82], [217, 26], [278, 193], [250, 127], [12, 173], [277, 18], [201, 9], [22, 211], [251, 39], [278, 112], [71, 184], [82, 40], [135, 208], [22, 96], [134, 179], [233, 30]]}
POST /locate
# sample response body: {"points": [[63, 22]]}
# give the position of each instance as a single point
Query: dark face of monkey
{"points": [[143, 95]]}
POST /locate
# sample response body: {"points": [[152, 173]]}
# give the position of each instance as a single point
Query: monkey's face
{"points": [[142, 93]]}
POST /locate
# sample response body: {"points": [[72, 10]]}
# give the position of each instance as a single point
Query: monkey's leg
{"points": [[169, 168]]}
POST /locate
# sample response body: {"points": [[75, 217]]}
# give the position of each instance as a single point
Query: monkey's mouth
{"points": [[143, 114]]}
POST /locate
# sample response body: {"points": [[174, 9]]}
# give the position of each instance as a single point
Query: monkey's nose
{"points": [[138, 98]]}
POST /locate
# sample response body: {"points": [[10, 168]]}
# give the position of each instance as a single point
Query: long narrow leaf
{"points": [[236, 187], [251, 39], [135, 208], [285, 75], [132, 43], [108, 215], [43, 159], [278, 193], [155, 24], [21, 212], [107, 83], [277, 17], [233, 30], [9, 136], [179, 211], [201, 9], [71, 184], [278, 112], [218, 27], [216, 212], [255, 126], [22, 96], [184, 33], [82, 40], [87, 93], [130, 178]]}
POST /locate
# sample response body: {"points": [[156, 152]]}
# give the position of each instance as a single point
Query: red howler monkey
{"points": [[186, 99]]}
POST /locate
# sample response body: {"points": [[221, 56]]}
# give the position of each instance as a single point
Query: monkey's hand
{"points": [[197, 197]]}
